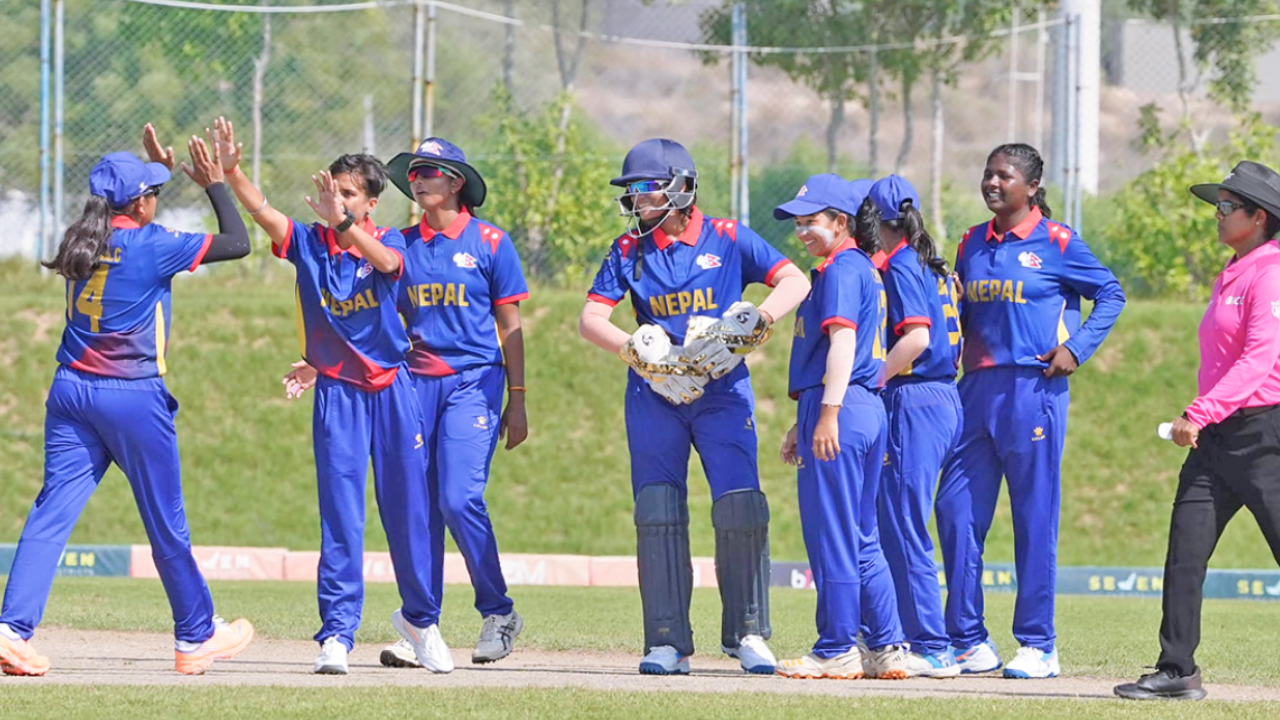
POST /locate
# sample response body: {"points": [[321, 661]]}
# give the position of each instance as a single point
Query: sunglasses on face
{"points": [[427, 172], [153, 192], [1226, 207], [646, 186]]}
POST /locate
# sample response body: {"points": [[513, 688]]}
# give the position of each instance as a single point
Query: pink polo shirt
{"points": [[1240, 339]]}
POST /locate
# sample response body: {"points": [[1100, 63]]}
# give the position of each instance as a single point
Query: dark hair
{"points": [[911, 224], [1028, 161], [1273, 221], [866, 227], [84, 242], [368, 171]]}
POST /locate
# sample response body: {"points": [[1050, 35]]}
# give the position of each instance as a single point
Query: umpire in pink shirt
{"points": [[1232, 427]]}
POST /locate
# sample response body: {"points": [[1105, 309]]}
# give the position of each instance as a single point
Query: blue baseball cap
{"points": [[820, 192], [655, 159], [888, 194], [121, 177], [442, 153]]}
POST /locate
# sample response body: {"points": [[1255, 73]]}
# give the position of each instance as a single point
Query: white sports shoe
{"points": [[980, 658], [333, 657], [754, 655], [399, 655], [1033, 663], [932, 665], [887, 663], [497, 637], [664, 660], [845, 666], [427, 643]]}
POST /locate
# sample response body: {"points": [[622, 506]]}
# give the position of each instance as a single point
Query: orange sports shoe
{"points": [[228, 641], [18, 657]]}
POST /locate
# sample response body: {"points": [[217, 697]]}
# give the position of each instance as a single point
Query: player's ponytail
{"points": [[1028, 162], [84, 242], [911, 224], [866, 227]]}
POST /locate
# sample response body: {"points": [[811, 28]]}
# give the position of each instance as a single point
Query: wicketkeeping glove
{"points": [[716, 346]]}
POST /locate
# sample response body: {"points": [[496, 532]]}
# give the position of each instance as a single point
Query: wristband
{"points": [[233, 171], [518, 388], [345, 225]]}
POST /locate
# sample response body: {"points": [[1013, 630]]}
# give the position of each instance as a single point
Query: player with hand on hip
{"points": [[1023, 277], [923, 410], [460, 298], [838, 441], [348, 273], [687, 388], [108, 402]]}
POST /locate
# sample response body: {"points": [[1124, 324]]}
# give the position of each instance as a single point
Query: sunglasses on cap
{"points": [[427, 172], [646, 186]]}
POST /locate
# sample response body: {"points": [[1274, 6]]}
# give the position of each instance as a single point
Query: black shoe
{"points": [[1163, 684]]}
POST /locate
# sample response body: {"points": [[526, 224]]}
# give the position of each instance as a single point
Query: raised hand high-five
{"points": [[205, 169], [156, 152], [328, 203], [223, 137]]}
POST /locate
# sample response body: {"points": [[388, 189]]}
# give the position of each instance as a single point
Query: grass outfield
{"points": [[249, 476], [1107, 637]]}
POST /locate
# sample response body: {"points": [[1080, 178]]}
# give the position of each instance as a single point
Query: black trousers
{"points": [[1237, 465]]}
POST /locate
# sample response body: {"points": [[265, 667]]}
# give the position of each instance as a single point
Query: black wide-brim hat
{"points": [[438, 151], [1250, 180]]}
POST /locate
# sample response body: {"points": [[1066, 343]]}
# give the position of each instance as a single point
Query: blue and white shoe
{"points": [[753, 654], [1033, 663], [932, 665], [664, 660], [980, 658]]}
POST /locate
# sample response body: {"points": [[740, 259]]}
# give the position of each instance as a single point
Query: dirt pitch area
{"points": [[82, 657]]}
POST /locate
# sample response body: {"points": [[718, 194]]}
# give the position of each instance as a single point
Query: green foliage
{"points": [[1227, 51], [562, 228], [1158, 238]]}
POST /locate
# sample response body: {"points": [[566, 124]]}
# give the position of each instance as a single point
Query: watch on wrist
{"points": [[345, 225]]}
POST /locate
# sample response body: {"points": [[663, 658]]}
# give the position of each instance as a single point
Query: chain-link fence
{"points": [[547, 95]]}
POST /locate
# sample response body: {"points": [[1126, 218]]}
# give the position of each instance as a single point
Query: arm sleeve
{"points": [[1088, 277], [909, 294], [760, 260], [506, 278], [607, 287], [842, 286], [232, 240], [1257, 359]]}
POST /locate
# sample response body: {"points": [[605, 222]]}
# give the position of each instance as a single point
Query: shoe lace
{"points": [[492, 624]]}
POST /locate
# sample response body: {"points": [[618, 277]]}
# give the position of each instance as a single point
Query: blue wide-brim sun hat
{"points": [[441, 152]]}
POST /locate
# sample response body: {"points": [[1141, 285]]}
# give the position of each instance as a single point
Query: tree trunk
{"points": [[935, 169], [908, 123], [833, 130], [873, 79], [509, 48]]}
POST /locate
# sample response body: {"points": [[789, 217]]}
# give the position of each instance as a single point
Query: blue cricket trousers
{"points": [[463, 413], [90, 422], [838, 516], [349, 426], [924, 426], [1014, 427]]}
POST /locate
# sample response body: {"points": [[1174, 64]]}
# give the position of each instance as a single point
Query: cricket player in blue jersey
{"points": [[838, 441], [923, 410], [109, 404], [460, 298], [688, 388], [348, 273], [1023, 277]]}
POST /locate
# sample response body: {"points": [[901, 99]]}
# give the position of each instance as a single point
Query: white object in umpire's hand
{"points": [[1165, 431]]}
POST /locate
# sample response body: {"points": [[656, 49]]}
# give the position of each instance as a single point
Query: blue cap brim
{"points": [[157, 174], [796, 208]]}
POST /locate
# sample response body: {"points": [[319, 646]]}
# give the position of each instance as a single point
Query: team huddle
{"points": [[411, 338]]}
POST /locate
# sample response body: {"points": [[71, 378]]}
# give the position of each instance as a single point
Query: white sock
{"points": [[8, 632]]}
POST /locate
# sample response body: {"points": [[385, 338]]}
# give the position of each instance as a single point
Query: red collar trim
{"points": [[889, 255], [331, 238], [453, 232], [850, 244], [1023, 229], [689, 237], [124, 222]]}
